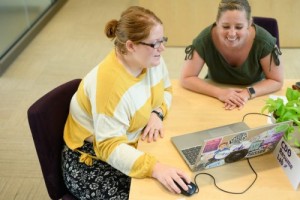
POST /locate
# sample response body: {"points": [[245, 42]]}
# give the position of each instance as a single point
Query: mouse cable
{"points": [[203, 173], [254, 114]]}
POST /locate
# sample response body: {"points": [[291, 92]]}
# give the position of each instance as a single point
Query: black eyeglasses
{"points": [[157, 44]]}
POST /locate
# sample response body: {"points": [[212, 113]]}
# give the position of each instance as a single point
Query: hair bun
{"points": [[110, 28]]}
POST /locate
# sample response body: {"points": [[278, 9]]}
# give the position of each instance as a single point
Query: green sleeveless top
{"points": [[220, 71]]}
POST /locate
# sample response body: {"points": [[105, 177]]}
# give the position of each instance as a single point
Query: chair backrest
{"points": [[47, 117], [270, 24]]}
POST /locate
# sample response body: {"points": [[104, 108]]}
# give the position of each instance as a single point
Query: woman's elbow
{"points": [[183, 81], [280, 84]]}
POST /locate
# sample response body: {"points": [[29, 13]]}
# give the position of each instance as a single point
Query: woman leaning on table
{"points": [[123, 98], [236, 52]]}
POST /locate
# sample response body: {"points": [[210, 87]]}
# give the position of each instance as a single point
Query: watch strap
{"points": [[159, 114]]}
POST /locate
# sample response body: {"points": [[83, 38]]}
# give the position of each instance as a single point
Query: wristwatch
{"points": [[251, 92], [159, 114]]}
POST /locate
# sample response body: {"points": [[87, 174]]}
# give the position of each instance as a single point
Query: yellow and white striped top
{"points": [[114, 107]]}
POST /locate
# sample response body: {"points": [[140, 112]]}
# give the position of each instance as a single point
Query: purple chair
{"points": [[47, 117], [270, 24]]}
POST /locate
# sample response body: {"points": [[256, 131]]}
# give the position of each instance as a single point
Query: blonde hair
{"points": [[134, 24], [241, 5]]}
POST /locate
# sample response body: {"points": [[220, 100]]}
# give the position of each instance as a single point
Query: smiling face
{"points": [[233, 28], [148, 56]]}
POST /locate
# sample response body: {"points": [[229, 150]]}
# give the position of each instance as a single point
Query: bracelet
{"points": [[159, 114]]}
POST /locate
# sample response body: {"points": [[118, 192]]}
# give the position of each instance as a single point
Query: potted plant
{"points": [[288, 110]]}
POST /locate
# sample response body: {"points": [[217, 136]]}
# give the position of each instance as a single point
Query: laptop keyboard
{"points": [[191, 154]]}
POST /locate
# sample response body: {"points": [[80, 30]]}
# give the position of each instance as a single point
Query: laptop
{"points": [[227, 144]]}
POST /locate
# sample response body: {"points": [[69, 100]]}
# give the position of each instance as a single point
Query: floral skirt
{"points": [[99, 181]]}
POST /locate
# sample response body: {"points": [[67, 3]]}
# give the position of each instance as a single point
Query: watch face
{"points": [[251, 90]]}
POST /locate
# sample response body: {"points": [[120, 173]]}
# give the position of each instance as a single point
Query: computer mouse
{"points": [[192, 188]]}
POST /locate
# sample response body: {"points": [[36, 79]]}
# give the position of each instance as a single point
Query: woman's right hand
{"points": [[167, 176], [232, 98]]}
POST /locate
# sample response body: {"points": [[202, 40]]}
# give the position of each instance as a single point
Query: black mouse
{"points": [[192, 188]]}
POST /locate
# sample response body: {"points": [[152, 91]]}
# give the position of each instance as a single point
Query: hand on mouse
{"points": [[167, 176], [192, 189]]}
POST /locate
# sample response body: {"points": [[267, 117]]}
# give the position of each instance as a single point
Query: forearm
{"points": [[200, 86], [167, 101], [267, 86], [143, 167]]}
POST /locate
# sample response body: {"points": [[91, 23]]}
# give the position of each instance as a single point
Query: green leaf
{"points": [[292, 94], [297, 143], [289, 111], [288, 94], [282, 128]]}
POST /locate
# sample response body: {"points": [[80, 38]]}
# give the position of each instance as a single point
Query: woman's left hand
{"points": [[153, 129]]}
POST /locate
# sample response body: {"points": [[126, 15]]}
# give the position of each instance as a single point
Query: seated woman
{"points": [[124, 98], [236, 52]]}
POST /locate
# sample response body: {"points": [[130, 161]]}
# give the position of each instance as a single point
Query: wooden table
{"points": [[192, 112]]}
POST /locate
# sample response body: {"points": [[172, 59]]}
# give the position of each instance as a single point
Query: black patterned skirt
{"points": [[99, 181]]}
